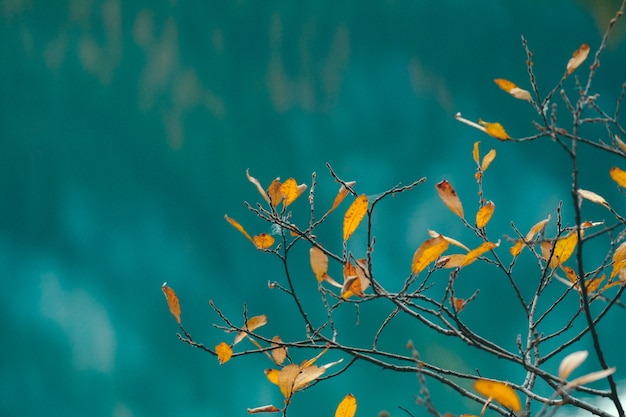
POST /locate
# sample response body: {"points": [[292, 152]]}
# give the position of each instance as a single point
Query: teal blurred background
{"points": [[126, 130]]}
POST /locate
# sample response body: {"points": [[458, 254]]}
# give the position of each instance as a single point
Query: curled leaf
{"points": [[251, 325], [578, 57], [499, 392], [571, 362], [590, 377], [356, 279], [258, 186], [449, 197], [593, 197], [484, 214], [513, 89], [172, 301], [238, 226], [224, 352], [264, 409], [343, 192], [293, 378], [619, 176], [319, 265], [354, 215], [347, 407], [476, 153], [428, 252]]}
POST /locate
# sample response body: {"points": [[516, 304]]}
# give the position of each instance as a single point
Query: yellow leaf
{"points": [[475, 253], [264, 409], [619, 259], [488, 159], [263, 241], [239, 227], [279, 353], [484, 214], [347, 407], [258, 186], [251, 325], [450, 197], [619, 176], [495, 129], [476, 153], [356, 279], [272, 375], [286, 378], [571, 362], [172, 301], [563, 249], [451, 261], [516, 249], [578, 57], [354, 215], [273, 191], [499, 392], [290, 190], [513, 89], [224, 352], [451, 241], [428, 252], [594, 284], [343, 192], [536, 229]]}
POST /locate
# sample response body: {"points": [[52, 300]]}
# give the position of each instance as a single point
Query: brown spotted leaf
{"points": [[449, 197], [172, 301]]}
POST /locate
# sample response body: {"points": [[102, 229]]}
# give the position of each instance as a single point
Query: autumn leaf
{"points": [[619, 176], [494, 129], [279, 353], [343, 192], [264, 409], [449, 197], [458, 304], [258, 186], [251, 325], [500, 392], [172, 301], [620, 143], [484, 214], [354, 215], [454, 242], [356, 279], [619, 259], [590, 377], [238, 226], [451, 261], [563, 249], [476, 153], [224, 352], [513, 89], [263, 241], [428, 252], [578, 57], [290, 190], [571, 362], [293, 378], [593, 197], [488, 159], [273, 191], [272, 375], [472, 255], [347, 407]]}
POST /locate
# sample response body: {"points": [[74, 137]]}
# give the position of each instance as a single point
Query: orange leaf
{"points": [[570, 274], [354, 215], [429, 251], [513, 89], [458, 304], [475, 253], [619, 259], [264, 409], [347, 407], [251, 325], [476, 153], [494, 129], [172, 301], [263, 241], [279, 353], [578, 57], [488, 159], [258, 186], [274, 193], [224, 352], [484, 214], [343, 192], [619, 176], [500, 392], [594, 284], [450, 197], [290, 190], [239, 227]]}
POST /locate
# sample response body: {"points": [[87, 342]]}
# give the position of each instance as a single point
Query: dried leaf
{"points": [[251, 325], [563, 249], [449, 197], [488, 159], [495, 129], [356, 279], [590, 377], [347, 407], [570, 274], [238, 226], [258, 186], [264, 409], [475, 253], [279, 353], [451, 261], [571, 362], [619, 176], [354, 215], [286, 378], [263, 241], [292, 378], [578, 57], [476, 153], [593, 197], [499, 392], [428, 252], [319, 263], [619, 259], [594, 284], [458, 304], [224, 352], [513, 89], [273, 191], [451, 241], [290, 190], [172, 301], [484, 214]]}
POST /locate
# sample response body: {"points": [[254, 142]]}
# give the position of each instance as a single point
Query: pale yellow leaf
{"points": [[451, 261], [306, 376], [571, 362], [593, 197], [536, 229], [286, 379], [449, 197], [347, 407], [484, 214], [578, 57], [428, 252], [172, 301], [264, 409], [279, 353], [354, 215], [319, 263], [451, 241], [499, 392], [619, 259], [251, 325], [258, 186], [238, 226], [619, 176], [590, 377], [620, 143], [488, 159], [224, 352]]}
